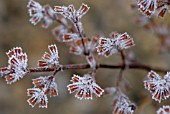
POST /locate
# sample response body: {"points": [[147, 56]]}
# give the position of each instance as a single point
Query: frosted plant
{"points": [[58, 32], [42, 87], [49, 16], [147, 7], [35, 11], [159, 87], [122, 104], [77, 46], [38, 96], [164, 110], [50, 59], [70, 37], [91, 60], [38, 13], [153, 7], [117, 43], [70, 12], [91, 49], [85, 87], [48, 84], [17, 65], [162, 10]]}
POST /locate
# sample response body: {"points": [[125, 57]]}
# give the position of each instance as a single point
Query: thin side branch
{"points": [[81, 34]]}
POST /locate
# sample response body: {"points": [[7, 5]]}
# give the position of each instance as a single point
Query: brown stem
{"points": [[123, 60], [82, 38], [104, 66], [120, 77], [86, 66]]}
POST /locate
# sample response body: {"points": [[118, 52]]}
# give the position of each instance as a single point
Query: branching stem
{"points": [[101, 66]]}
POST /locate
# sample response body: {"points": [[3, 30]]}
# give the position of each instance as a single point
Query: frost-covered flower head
{"points": [[70, 12], [17, 65], [147, 7], [122, 104], [159, 87], [77, 48], [42, 87], [85, 87], [117, 42], [48, 84], [164, 110], [37, 97], [38, 13], [50, 59], [35, 11], [153, 7]]}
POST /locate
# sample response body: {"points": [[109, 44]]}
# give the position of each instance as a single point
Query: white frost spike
{"points": [[85, 87]]}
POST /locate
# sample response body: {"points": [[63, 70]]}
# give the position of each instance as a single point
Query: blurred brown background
{"points": [[104, 17]]}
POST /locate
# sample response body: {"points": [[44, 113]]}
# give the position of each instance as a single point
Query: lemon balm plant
{"points": [[72, 34]]}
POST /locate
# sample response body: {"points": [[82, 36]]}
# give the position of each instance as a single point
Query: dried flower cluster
{"points": [[117, 42], [85, 87], [159, 87], [153, 7], [50, 60], [122, 104], [17, 65], [70, 12], [38, 13], [42, 87]]}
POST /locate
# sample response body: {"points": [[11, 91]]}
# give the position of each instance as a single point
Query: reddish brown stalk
{"points": [[120, 77], [102, 66], [81, 34]]}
